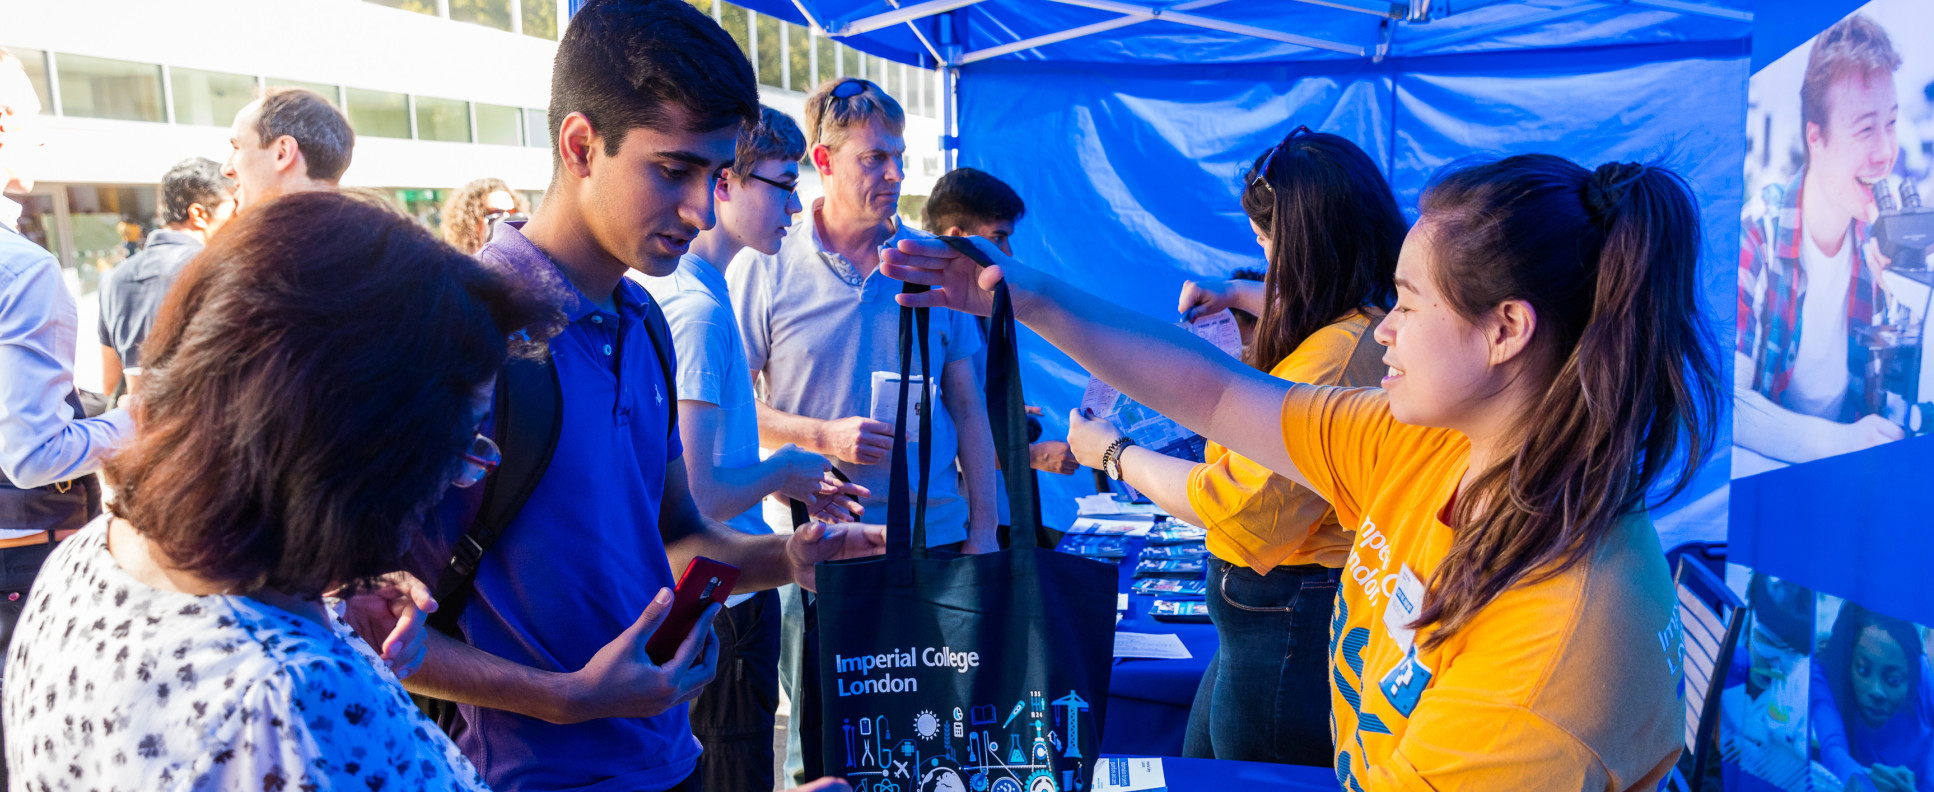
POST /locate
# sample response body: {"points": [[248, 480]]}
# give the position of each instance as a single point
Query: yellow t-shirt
{"points": [[1259, 519], [1571, 683]]}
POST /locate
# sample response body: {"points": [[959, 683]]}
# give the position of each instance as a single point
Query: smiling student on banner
{"points": [[1809, 269]]}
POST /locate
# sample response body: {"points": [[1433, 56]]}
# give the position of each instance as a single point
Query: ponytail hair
{"points": [[1608, 260], [1334, 234]]}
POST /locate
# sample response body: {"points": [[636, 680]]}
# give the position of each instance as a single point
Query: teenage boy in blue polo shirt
{"points": [[552, 679]]}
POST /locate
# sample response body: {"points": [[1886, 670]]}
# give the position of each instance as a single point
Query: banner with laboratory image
{"points": [[1823, 695], [1834, 284]]}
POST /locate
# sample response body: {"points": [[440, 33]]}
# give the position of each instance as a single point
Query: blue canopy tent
{"points": [[1124, 125]]}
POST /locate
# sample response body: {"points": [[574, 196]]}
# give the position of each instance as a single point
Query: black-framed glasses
{"points": [[783, 187], [1260, 168], [851, 88]]}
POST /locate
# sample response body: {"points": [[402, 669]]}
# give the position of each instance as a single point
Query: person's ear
{"points": [[722, 189], [200, 217], [822, 159], [1816, 137], [576, 141], [1508, 329], [955, 231], [286, 152]]}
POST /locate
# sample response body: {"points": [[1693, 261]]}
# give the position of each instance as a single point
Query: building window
{"points": [[103, 88], [378, 113], [931, 94], [496, 124], [206, 98], [771, 39], [108, 224], [828, 61], [325, 90], [537, 129], [799, 53], [442, 119], [489, 13], [35, 62], [419, 6], [540, 18], [733, 19]]}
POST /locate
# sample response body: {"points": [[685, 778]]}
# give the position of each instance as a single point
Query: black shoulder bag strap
{"points": [[906, 512], [1006, 410]]}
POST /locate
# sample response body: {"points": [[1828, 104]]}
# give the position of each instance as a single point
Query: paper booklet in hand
{"points": [[1150, 429]]}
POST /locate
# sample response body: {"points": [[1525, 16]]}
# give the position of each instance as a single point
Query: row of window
{"points": [[788, 56], [785, 55], [529, 17], [92, 87]]}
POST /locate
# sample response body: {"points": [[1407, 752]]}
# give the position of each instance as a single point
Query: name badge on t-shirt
{"points": [[1403, 606], [1405, 683]]}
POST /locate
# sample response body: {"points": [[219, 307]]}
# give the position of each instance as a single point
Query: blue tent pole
{"points": [[950, 51]]}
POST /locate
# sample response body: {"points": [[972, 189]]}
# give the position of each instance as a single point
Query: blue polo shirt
{"points": [[583, 557]]}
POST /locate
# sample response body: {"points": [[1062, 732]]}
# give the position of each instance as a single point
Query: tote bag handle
{"points": [[1007, 408]]}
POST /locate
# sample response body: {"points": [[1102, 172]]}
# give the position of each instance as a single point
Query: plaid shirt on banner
{"points": [[1772, 287]]}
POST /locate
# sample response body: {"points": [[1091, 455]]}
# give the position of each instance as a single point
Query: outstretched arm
{"points": [[1157, 364]]}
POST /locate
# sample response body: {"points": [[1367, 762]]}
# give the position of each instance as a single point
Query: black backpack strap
{"points": [[530, 416], [660, 331]]}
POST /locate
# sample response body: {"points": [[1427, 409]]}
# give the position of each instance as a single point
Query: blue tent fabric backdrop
{"points": [[1131, 175]]}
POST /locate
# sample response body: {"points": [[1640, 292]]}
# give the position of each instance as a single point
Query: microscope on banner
{"points": [[1897, 378]]}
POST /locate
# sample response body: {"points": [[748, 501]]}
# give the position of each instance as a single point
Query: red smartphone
{"points": [[705, 581]]}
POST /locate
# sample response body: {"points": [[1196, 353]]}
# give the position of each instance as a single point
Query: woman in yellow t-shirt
{"points": [[1278, 547], [1506, 619]]}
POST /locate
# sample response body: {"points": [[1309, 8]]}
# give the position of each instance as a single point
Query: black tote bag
{"points": [[968, 673]]}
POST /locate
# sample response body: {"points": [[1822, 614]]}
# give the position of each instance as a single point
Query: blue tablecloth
{"points": [[1148, 700], [1211, 775]]}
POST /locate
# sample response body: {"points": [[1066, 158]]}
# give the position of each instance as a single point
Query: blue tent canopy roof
{"points": [[1252, 31]]}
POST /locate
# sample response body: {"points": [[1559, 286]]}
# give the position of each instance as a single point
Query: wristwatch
{"points": [[1111, 458]]}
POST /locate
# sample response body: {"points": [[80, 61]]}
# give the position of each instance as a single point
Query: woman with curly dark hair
{"points": [[471, 210], [314, 382]]}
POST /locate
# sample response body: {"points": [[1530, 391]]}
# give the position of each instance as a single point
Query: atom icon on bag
{"points": [[927, 725]]}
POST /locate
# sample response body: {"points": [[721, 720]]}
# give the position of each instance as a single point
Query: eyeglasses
{"points": [[482, 458], [783, 187], [851, 88], [1260, 168]]}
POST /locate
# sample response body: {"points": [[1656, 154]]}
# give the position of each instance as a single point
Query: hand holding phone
{"points": [[705, 582], [660, 661]]}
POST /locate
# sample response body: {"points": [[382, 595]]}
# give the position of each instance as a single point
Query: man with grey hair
{"points": [[196, 200], [820, 322], [288, 140]]}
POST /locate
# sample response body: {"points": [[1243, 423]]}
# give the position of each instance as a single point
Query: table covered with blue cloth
{"points": [[1218, 775], [1148, 700]]}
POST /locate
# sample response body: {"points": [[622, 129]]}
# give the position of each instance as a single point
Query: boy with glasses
{"points": [[719, 427]]}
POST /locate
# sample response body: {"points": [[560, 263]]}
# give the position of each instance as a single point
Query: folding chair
{"points": [[1711, 616], [1711, 555]]}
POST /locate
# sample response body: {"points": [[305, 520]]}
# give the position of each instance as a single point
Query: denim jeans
{"points": [[1266, 695]]}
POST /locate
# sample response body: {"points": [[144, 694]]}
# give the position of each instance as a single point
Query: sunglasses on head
{"points": [[1260, 169], [850, 88]]}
